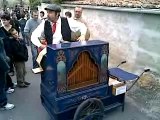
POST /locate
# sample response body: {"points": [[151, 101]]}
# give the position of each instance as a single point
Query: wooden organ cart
{"points": [[75, 81]]}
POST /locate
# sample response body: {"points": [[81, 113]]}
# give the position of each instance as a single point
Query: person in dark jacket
{"points": [[4, 68], [6, 26], [20, 56], [22, 23], [15, 22], [4, 34]]}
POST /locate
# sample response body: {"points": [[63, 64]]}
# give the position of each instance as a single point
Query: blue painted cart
{"points": [[74, 83]]}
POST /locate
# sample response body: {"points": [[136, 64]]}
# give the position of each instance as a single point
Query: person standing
{"points": [[42, 15], [7, 46], [56, 29], [30, 26], [20, 56], [17, 11], [78, 17], [4, 68], [68, 14], [15, 22], [6, 25], [22, 23]]}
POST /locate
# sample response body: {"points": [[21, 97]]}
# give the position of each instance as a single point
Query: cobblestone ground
{"points": [[121, 3]]}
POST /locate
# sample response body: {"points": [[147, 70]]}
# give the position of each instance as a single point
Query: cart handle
{"points": [[145, 70], [122, 63]]}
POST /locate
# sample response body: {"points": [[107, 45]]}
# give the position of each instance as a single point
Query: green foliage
{"points": [[34, 4], [3, 4], [46, 1], [57, 1], [52, 1]]}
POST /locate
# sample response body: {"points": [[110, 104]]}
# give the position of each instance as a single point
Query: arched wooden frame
{"points": [[85, 72]]}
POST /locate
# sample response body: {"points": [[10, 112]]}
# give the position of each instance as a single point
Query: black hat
{"points": [[53, 7]]}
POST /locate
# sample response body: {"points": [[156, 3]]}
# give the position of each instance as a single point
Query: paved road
{"points": [[28, 105]]}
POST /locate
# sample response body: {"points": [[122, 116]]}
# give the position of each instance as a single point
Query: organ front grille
{"points": [[83, 73]]}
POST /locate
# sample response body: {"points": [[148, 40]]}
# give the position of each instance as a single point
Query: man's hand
{"points": [[81, 38], [43, 46], [43, 41]]}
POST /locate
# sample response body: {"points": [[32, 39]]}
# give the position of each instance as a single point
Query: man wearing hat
{"points": [[56, 29]]}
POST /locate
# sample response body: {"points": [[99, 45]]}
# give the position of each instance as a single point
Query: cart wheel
{"points": [[90, 109]]}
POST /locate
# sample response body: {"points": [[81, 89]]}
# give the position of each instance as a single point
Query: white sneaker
{"points": [[8, 106], [15, 84], [10, 90]]}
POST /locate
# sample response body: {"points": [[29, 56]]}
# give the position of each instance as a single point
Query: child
{"points": [[20, 56]]}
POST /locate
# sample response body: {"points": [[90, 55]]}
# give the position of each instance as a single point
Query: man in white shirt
{"points": [[54, 30], [62, 28], [78, 17]]}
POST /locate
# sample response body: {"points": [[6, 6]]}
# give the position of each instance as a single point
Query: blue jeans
{"points": [[25, 38], [3, 97], [34, 55]]}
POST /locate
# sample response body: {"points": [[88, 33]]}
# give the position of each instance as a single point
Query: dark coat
{"points": [[4, 67], [19, 51], [7, 41], [15, 24]]}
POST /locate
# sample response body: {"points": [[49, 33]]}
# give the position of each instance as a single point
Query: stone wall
{"points": [[121, 3]]}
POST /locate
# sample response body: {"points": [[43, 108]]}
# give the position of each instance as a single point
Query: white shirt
{"points": [[57, 36]]}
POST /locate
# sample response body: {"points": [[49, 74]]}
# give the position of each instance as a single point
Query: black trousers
{"points": [[3, 97], [43, 65]]}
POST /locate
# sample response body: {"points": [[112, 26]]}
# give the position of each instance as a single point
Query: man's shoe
{"points": [[8, 106], [22, 85], [27, 83], [10, 90]]}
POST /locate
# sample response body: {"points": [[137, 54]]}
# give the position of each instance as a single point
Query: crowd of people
{"points": [[18, 31]]}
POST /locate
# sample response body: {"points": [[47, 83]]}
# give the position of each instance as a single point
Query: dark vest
{"points": [[65, 31]]}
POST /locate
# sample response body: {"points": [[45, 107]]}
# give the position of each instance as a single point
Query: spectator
{"points": [[7, 45], [6, 21], [68, 14], [27, 15], [4, 68], [30, 26], [22, 23], [17, 12], [42, 15], [78, 17], [20, 56], [15, 22]]}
